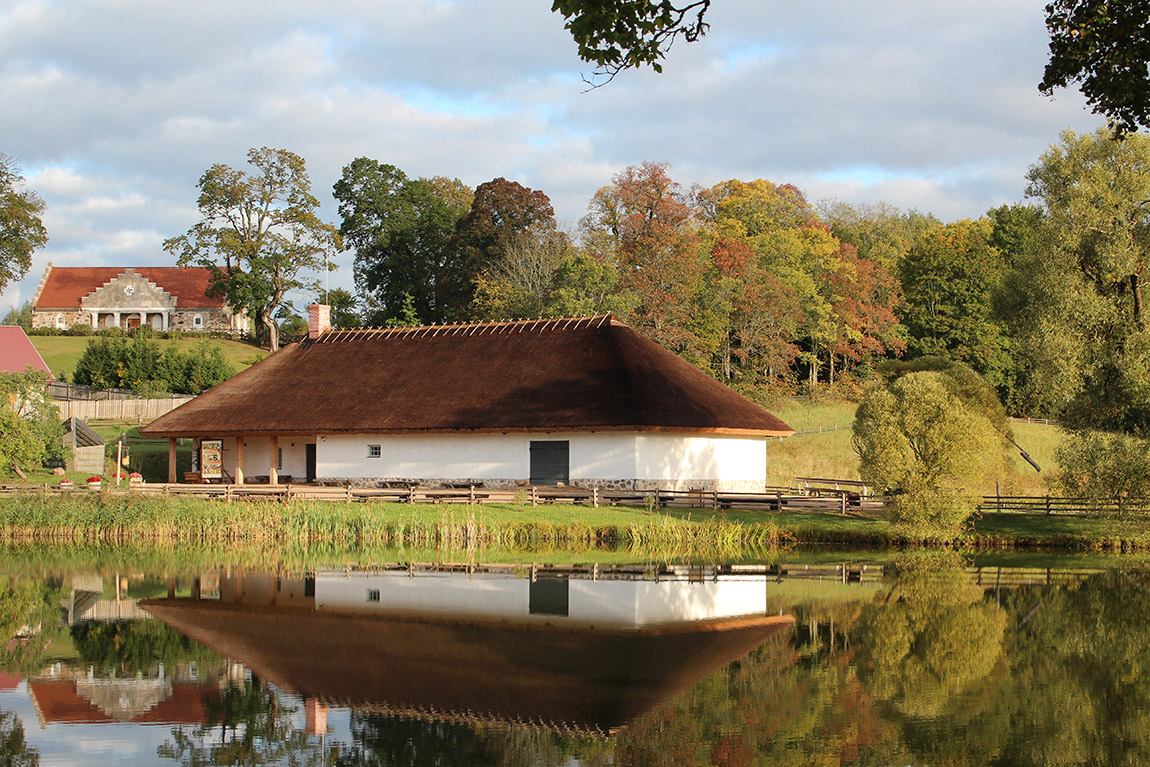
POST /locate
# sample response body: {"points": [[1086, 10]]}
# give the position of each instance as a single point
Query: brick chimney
{"points": [[318, 320]]}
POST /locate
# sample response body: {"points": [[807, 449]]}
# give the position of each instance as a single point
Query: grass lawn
{"points": [[61, 353]]}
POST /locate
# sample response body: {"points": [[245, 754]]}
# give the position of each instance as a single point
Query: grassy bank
{"points": [[92, 517], [300, 526]]}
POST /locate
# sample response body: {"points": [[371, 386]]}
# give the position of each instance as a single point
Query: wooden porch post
{"points": [[171, 460], [273, 450], [240, 459]]}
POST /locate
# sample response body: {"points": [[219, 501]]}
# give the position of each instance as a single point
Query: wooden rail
{"points": [[778, 499], [1050, 505]]}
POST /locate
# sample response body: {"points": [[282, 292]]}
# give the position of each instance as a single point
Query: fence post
{"points": [[843, 503], [595, 497], [998, 496], [1048, 509], [471, 495], [534, 497]]}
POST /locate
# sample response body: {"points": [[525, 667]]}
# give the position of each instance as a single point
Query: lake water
{"points": [[887, 659]]}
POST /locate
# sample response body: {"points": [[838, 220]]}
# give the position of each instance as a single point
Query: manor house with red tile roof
{"points": [[160, 297]]}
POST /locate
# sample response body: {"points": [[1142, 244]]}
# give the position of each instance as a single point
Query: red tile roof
{"points": [[578, 374], [66, 286], [17, 352]]}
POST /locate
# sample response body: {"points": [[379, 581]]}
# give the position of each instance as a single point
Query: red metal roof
{"points": [[17, 352], [66, 286]]}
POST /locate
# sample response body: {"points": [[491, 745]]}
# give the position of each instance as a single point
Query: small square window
{"points": [[374, 451], [373, 595]]}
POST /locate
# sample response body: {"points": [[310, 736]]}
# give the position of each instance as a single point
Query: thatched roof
{"points": [[579, 374], [571, 676]]}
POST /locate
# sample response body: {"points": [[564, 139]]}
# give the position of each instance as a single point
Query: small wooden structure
{"points": [[87, 447]]}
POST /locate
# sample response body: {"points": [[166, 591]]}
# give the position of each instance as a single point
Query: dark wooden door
{"points": [[550, 462], [309, 461]]}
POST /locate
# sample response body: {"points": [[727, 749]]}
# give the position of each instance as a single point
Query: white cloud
{"points": [[116, 108]]}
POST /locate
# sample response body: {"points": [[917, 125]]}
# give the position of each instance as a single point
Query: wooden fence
{"points": [[127, 410], [534, 496], [1047, 504]]}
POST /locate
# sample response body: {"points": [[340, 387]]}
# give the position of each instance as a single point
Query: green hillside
{"points": [[61, 353]]}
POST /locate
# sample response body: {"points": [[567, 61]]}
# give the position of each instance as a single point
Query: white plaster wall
{"points": [[481, 456], [256, 452], [643, 603], [622, 603], [479, 595], [603, 455], [670, 456]]}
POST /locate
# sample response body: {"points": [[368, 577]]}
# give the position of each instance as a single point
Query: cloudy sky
{"points": [[115, 107]]}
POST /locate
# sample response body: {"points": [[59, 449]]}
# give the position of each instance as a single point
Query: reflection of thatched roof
{"points": [[587, 374], [580, 677]]}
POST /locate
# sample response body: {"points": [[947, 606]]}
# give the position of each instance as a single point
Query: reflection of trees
{"points": [[253, 729], [14, 751], [385, 741], [787, 704], [29, 621], [932, 639], [136, 646], [1079, 691]]}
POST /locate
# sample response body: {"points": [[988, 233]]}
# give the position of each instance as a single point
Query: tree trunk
{"points": [[1136, 291], [831, 355], [273, 330]]}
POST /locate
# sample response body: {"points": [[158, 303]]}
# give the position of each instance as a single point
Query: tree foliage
{"points": [[932, 447], [507, 228], [949, 278], [21, 230], [1080, 308], [643, 224], [400, 229], [140, 364], [1103, 467], [259, 233], [31, 431], [1104, 45], [626, 34]]}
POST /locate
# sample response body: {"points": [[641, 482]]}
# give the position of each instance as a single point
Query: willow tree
{"points": [[1082, 312], [260, 234], [930, 440]]}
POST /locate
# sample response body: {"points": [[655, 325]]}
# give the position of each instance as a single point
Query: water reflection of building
{"points": [[62, 694], [579, 653]]}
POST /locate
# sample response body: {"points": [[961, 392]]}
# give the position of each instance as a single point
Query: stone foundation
{"points": [[623, 485]]}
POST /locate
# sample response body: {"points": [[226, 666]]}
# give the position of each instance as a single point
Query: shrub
{"points": [[922, 441], [1104, 467], [30, 428]]}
